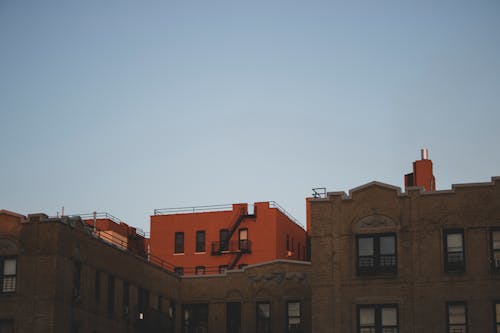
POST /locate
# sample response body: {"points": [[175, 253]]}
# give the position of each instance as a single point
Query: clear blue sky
{"points": [[126, 106]]}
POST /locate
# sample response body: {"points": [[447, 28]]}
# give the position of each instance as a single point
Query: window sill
{"points": [[200, 253], [178, 254]]}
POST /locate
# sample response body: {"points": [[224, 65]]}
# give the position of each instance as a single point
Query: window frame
{"points": [[224, 240], [259, 321], [288, 317], [200, 270], [494, 267], [496, 320], [451, 267], [200, 243], [178, 243], [377, 308], [4, 276], [452, 303], [377, 268]]}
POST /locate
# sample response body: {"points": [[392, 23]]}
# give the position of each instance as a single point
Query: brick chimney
{"points": [[422, 173]]}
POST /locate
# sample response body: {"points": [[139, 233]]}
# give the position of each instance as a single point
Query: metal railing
{"points": [[244, 246], [107, 216], [193, 209], [274, 204]]}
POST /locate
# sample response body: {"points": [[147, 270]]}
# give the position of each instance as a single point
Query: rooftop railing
{"points": [[107, 216], [193, 209], [274, 204]]}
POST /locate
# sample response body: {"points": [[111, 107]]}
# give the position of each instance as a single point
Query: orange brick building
{"points": [[213, 239]]}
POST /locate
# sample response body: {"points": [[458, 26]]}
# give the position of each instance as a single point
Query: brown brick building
{"points": [[385, 261], [60, 275]]}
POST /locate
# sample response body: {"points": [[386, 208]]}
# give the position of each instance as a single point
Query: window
{"points": [[160, 303], [179, 242], [380, 318], [223, 269], [457, 317], [200, 241], [376, 254], [97, 286], [496, 313], [298, 250], [6, 325], [287, 243], [179, 270], [233, 317], [243, 240], [142, 300], [263, 317], [8, 266], [126, 297], [293, 317], [224, 239], [77, 279], [199, 270], [454, 257], [111, 294], [495, 250], [194, 318]]}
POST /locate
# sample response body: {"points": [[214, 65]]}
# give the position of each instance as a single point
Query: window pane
{"points": [[294, 309], [454, 242], [365, 245], [264, 310], [387, 245], [389, 317], [496, 240], [456, 314], [9, 267], [366, 316], [497, 308]]}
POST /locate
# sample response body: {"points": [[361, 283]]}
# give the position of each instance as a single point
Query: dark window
{"points": [[179, 270], [496, 313], [160, 303], [457, 317], [179, 242], [111, 294], [171, 317], [287, 243], [6, 325], [263, 317], [142, 300], [233, 317], [77, 279], [97, 286], [376, 254], [223, 269], [8, 267], [298, 249], [454, 256], [381, 318], [199, 270], [224, 239], [243, 240], [200, 241], [294, 319], [126, 297], [195, 318], [495, 250]]}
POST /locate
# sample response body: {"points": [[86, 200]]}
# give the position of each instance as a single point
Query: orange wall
{"points": [[262, 232]]}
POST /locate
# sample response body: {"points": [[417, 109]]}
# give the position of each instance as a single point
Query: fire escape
{"points": [[234, 247]]}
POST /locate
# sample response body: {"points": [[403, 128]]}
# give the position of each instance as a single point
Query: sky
{"points": [[126, 106]]}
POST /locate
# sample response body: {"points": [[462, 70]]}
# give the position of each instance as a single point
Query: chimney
{"points": [[422, 173]]}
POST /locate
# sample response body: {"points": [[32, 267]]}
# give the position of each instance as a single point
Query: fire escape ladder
{"points": [[236, 259], [236, 224]]}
